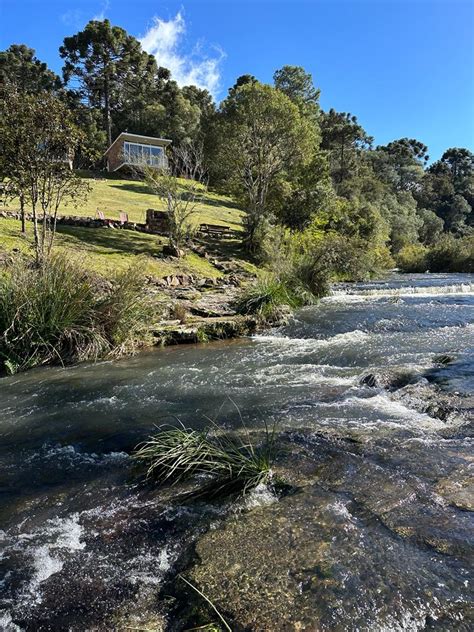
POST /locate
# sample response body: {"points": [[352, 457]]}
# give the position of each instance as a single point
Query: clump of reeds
{"points": [[176, 453], [56, 313], [266, 297]]}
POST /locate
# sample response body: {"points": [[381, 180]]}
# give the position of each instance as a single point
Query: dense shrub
{"points": [[335, 258], [452, 255], [413, 258], [449, 254], [302, 265], [57, 314]]}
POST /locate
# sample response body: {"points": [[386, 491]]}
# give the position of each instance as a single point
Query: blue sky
{"points": [[404, 67]]}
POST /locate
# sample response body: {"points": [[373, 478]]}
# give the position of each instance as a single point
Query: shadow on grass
{"points": [[134, 187], [118, 240], [121, 241], [225, 248], [210, 201]]}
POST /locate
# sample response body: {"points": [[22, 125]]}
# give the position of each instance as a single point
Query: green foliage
{"points": [[412, 258], [111, 67], [447, 190], [21, 70], [47, 315], [400, 164], [131, 91], [432, 227], [123, 312], [301, 265], [452, 255], [178, 453], [266, 297], [332, 257], [263, 137], [37, 139], [344, 138], [55, 313], [298, 85], [449, 254]]}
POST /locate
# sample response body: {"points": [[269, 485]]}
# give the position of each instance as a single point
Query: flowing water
{"points": [[375, 535]]}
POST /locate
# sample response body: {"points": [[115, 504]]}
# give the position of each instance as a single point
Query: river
{"points": [[375, 534]]}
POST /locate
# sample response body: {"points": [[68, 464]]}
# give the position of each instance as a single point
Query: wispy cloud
{"points": [[74, 18], [102, 13], [165, 38]]}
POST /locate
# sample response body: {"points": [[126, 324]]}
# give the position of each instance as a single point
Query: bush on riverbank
{"points": [[412, 258], [449, 254], [58, 314], [267, 297], [301, 266]]}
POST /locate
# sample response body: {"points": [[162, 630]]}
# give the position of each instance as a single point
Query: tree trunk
{"points": [[108, 121], [36, 235], [22, 214]]}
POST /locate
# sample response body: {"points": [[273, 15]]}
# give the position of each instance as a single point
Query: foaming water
{"points": [[85, 545]]}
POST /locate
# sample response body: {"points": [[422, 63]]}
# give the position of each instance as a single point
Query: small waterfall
{"points": [[457, 288]]}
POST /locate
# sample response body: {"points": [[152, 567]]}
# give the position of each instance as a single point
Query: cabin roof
{"points": [[138, 138]]}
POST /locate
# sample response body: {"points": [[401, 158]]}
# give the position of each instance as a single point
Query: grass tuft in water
{"points": [[177, 453]]}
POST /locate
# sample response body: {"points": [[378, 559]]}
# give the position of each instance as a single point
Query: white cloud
{"points": [[164, 40]]}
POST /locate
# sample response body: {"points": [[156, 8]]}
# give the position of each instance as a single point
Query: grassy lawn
{"points": [[107, 250], [112, 195]]}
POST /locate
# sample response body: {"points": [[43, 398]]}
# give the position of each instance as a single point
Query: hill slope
{"points": [[108, 250]]}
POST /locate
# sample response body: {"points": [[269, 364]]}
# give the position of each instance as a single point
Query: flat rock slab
{"points": [[355, 542]]}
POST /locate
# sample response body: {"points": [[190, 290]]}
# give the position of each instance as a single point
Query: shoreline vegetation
{"points": [[67, 312]]}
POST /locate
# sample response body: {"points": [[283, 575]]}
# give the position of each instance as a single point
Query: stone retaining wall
{"points": [[87, 222]]}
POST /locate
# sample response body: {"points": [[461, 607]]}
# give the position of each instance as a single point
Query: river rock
{"points": [[458, 487], [429, 399], [391, 379]]}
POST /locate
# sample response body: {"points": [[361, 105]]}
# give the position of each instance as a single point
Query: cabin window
{"points": [[136, 154]]}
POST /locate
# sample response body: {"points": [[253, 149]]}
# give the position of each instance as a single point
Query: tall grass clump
{"points": [[56, 313], [267, 297], [125, 312], [176, 453], [47, 314]]}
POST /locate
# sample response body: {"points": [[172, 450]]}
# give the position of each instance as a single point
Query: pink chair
{"points": [[100, 215], [123, 218]]}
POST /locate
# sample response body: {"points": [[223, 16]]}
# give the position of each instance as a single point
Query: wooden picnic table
{"points": [[216, 229]]}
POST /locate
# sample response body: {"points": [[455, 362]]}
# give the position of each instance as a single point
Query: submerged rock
{"points": [[458, 488]]}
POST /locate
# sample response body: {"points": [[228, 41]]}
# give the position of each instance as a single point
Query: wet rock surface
{"points": [[292, 565], [429, 399]]}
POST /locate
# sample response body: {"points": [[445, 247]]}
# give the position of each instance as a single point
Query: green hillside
{"points": [[108, 250], [112, 195]]}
